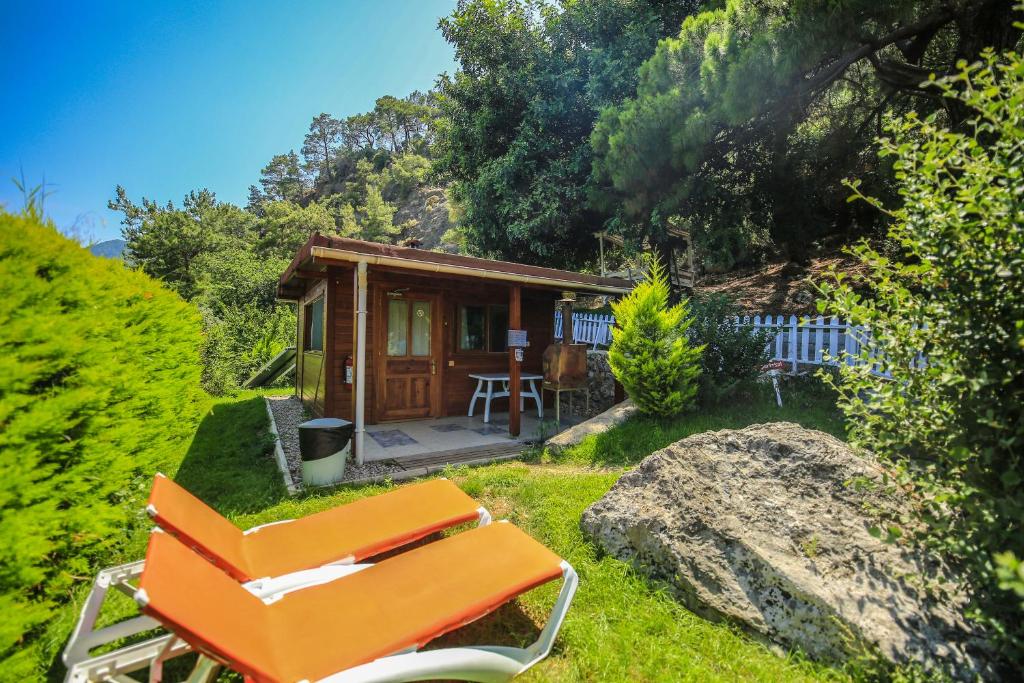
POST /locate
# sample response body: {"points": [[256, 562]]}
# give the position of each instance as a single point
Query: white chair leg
{"points": [[86, 636], [775, 384]]}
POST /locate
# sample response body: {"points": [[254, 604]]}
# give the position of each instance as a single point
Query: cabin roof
{"points": [[321, 252]]}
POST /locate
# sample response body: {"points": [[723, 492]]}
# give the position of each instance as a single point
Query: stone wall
{"points": [[601, 385]]}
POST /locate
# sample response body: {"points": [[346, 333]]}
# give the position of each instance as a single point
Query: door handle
{"points": [[433, 367]]}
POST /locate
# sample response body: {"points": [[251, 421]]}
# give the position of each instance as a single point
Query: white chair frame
{"points": [[488, 664]]}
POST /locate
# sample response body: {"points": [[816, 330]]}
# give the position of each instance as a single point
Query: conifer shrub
{"points": [[99, 388], [651, 354]]}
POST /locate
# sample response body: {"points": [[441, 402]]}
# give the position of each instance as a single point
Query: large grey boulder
{"points": [[768, 526]]}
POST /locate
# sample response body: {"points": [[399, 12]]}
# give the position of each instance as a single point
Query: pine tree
{"points": [[376, 217], [651, 354]]}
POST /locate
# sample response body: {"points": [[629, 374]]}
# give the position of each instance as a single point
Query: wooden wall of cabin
{"points": [[538, 308], [457, 388], [342, 321]]}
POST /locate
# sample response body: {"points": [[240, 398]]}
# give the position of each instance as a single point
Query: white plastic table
{"points": [[489, 393]]}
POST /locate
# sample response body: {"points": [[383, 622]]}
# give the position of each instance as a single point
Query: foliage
{"points": [[282, 179], [953, 291], [165, 241], [1010, 571], [244, 325], [375, 216], [227, 261], [518, 113], [733, 354], [651, 354], [319, 147], [284, 227], [400, 129], [99, 386], [406, 172], [747, 121]]}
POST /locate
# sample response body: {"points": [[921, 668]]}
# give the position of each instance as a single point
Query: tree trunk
{"points": [[665, 254]]}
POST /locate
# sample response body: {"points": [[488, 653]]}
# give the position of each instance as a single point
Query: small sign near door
{"points": [[519, 354], [517, 338]]}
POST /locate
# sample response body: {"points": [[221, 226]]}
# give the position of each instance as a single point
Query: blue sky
{"points": [[164, 98]]}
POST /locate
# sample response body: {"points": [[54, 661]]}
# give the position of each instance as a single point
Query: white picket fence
{"points": [[796, 340], [812, 341], [588, 328]]}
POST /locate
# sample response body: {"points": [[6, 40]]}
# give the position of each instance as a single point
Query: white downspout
{"points": [[360, 359]]}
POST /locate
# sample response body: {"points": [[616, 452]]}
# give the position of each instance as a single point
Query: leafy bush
{"points": [[954, 425], [405, 173], [240, 341], [733, 354], [651, 354], [244, 325], [99, 387]]}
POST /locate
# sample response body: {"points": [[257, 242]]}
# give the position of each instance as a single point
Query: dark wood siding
{"points": [[342, 322], [456, 366]]}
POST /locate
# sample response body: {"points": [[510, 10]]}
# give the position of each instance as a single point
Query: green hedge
{"points": [[99, 387]]}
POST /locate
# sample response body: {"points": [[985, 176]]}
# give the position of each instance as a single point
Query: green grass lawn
{"points": [[621, 627]]}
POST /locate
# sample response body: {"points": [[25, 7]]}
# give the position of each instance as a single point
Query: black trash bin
{"points": [[324, 444]]}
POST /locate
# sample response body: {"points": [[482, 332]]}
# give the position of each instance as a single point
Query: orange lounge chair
{"points": [[367, 626], [339, 536], [283, 556]]}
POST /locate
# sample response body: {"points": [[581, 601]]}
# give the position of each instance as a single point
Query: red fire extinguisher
{"points": [[348, 370]]}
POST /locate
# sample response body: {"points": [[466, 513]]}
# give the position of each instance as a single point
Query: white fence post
{"points": [[792, 342], [833, 339]]}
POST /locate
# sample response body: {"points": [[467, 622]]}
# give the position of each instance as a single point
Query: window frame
{"points": [[410, 341], [460, 309], [307, 324]]}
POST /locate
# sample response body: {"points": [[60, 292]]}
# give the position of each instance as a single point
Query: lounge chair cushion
{"points": [[404, 601], [355, 531]]}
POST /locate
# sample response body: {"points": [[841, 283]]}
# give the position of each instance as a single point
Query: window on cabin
{"points": [[483, 328], [398, 327], [497, 328], [421, 328], [408, 328], [313, 315]]}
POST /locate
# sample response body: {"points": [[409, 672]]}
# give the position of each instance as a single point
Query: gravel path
{"points": [[288, 415]]}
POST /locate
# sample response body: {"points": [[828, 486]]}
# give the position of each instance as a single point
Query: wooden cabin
{"points": [[389, 333]]}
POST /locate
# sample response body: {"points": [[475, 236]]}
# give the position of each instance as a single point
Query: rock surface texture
{"points": [[765, 526], [426, 208]]}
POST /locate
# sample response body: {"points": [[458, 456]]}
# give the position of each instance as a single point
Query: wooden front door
{"points": [[409, 351]]}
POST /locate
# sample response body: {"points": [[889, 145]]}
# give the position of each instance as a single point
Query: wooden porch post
{"points": [[514, 323], [360, 362]]}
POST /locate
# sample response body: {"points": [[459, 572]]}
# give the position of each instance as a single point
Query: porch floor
{"points": [[457, 437]]}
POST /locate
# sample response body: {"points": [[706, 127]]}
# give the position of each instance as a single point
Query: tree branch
{"points": [[839, 67]]}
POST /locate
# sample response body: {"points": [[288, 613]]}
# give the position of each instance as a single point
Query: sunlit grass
{"points": [[621, 626]]}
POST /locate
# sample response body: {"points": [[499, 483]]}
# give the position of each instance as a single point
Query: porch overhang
{"points": [[321, 252]]}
